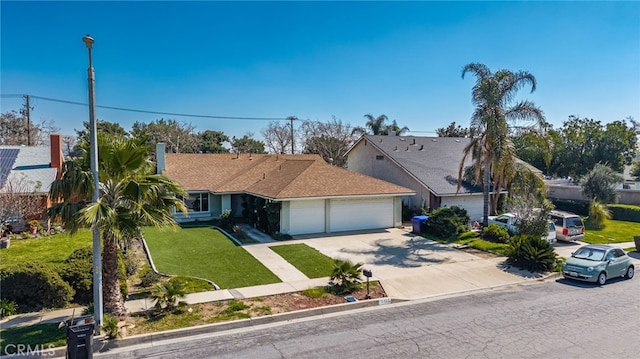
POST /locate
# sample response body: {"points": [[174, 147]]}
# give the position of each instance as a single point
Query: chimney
{"points": [[56, 153], [161, 164]]}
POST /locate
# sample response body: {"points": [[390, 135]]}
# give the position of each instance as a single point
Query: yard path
{"points": [[276, 264]]}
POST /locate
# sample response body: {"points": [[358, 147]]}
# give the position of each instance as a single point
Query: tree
{"points": [[394, 128], [13, 130], [376, 124], [536, 149], [247, 144], [585, 142], [106, 127], [167, 295], [211, 142], [278, 137], [490, 147], [452, 131], [179, 137], [600, 184], [331, 140], [21, 198], [346, 275], [131, 196]]}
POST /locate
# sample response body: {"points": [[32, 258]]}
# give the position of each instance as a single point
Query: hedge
{"points": [[577, 207], [35, 286], [624, 212]]}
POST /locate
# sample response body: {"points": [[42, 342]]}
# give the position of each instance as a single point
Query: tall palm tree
{"points": [[376, 124], [393, 127], [491, 148], [131, 196]]}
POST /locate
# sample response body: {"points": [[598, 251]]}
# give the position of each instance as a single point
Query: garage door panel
{"points": [[307, 217], [357, 214]]}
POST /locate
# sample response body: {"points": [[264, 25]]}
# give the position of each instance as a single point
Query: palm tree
{"points": [[393, 127], [131, 196], [376, 124], [491, 147]]}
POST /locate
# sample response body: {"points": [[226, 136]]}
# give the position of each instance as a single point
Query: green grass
{"points": [[613, 232], [206, 253], [193, 285], [308, 260], [51, 249], [45, 336]]}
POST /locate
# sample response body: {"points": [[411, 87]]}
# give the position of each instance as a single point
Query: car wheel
{"points": [[602, 278], [630, 272]]}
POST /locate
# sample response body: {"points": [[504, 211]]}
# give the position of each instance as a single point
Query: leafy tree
{"points": [[532, 213], [635, 170], [452, 131], [131, 196], [535, 148], [585, 142], [346, 275], [179, 137], [106, 127], [278, 137], [600, 184], [331, 140], [211, 142], [491, 148], [247, 144]]}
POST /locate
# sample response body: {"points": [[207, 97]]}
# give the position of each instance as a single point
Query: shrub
{"points": [[622, 212], [317, 292], [110, 326], [77, 270], [446, 222], [122, 276], [167, 295], [148, 277], [496, 233], [7, 308], [226, 220], [131, 265], [577, 207], [345, 276], [598, 213], [532, 253], [89, 309], [35, 286]]}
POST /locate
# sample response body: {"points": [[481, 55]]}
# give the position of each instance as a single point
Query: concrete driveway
{"points": [[412, 267]]}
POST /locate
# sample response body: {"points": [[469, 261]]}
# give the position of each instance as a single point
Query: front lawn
{"points": [[40, 336], [206, 253], [50, 249], [613, 232], [306, 259]]}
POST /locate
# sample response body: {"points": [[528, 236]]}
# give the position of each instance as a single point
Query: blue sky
{"points": [[315, 60]]}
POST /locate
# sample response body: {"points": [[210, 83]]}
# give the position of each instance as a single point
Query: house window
{"points": [[379, 157], [197, 202]]}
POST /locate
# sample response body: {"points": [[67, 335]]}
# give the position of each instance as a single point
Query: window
{"points": [[197, 202]]}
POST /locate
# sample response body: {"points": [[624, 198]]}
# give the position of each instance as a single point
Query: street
{"points": [[556, 319]]}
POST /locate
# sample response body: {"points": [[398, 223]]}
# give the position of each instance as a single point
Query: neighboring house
{"points": [[26, 174], [427, 165], [312, 196]]}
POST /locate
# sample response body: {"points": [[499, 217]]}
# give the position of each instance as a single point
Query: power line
{"points": [[147, 111]]}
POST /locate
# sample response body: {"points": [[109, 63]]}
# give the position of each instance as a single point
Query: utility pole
{"points": [[292, 118], [27, 112]]}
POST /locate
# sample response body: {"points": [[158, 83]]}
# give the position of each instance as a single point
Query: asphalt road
{"points": [[557, 319]]}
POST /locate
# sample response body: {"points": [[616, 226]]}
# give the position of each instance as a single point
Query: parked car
{"points": [[569, 226], [551, 236], [506, 220], [597, 263]]}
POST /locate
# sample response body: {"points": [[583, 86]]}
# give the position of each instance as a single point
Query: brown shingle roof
{"points": [[273, 176]]}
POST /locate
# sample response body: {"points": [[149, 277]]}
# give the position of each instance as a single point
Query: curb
{"points": [[103, 345]]}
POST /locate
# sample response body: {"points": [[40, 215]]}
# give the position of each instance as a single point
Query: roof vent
{"points": [[396, 148], [380, 139], [414, 141], [264, 175], [421, 148], [434, 140], [402, 139], [250, 157], [457, 140], [407, 148]]}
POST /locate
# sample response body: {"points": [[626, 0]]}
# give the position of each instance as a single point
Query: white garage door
{"points": [[473, 204], [356, 214], [306, 217]]}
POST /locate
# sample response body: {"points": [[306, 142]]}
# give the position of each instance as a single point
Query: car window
{"points": [[589, 253], [574, 222], [552, 227], [618, 252], [557, 221], [611, 255]]}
